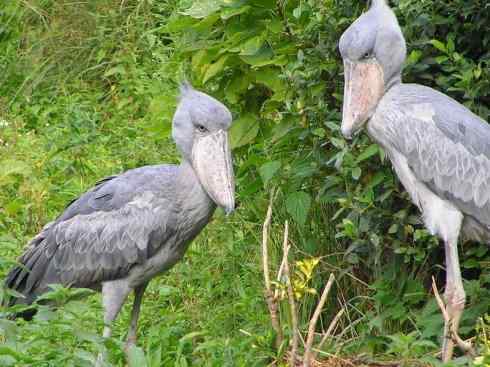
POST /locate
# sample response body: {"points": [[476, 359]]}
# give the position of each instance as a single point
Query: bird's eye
{"points": [[201, 128], [367, 56]]}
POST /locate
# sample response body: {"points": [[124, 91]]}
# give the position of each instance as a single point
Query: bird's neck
{"points": [[189, 187], [396, 80]]}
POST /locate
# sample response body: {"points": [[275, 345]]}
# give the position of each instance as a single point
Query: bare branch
{"points": [[269, 296], [330, 328], [314, 320], [292, 304]]}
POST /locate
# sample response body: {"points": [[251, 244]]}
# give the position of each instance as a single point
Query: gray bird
{"points": [[439, 149], [132, 227]]}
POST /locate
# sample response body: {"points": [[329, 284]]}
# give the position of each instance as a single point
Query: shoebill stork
{"points": [[439, 149], [134, 226]]}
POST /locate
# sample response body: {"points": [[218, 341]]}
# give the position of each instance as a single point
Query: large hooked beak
{"points": [[211, 156], [364, 87]]}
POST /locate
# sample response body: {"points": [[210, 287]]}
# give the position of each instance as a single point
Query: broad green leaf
{"points": [[203, 8], [238, 85], [439, 45], [227, 13], [136, 357], [367, 153], [269, 77], [244, 130], [298, 205], [262, 58], [178, 24], [269, 4], [268, 170], [215, 68], [251, 46], [356, 173]]}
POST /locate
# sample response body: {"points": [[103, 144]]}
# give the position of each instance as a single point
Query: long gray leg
{"points": [[455, 298], [135, 313], [114, 295]]}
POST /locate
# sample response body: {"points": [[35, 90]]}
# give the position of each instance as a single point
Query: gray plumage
{"points": [[439, 149], [134, 226], [446, 145]]}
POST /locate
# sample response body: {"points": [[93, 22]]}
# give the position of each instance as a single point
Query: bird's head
{"points": [[200, 130], [373, 50]]}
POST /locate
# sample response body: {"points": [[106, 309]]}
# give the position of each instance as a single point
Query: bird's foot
{"points": [[130, 343], [451, 312], [102, 360]]}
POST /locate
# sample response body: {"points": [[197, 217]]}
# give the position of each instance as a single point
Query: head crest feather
{"points": [[185, 88]]}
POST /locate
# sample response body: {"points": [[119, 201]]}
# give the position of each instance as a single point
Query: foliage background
{"points": [[87, 89]]}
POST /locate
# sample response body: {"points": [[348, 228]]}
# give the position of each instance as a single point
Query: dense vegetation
{"points": [[87, 89]]}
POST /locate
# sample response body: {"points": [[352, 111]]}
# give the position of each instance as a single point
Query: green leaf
{"points": [[215, 68], [13, 167], [264, 57], [119, 69], [268, 170], [231, 12], [244, 130], [252, 46], [439, 45], [298, 205], [202, 8], [136, 357], [269, 77], [356, 173], [367, 153]]}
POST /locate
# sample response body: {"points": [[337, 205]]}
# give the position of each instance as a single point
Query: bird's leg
{"points": [[455, 298], [133, 327], [113, 296]]}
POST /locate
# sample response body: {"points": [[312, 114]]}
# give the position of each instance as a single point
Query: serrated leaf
{"points": [[268, 170], [244, 130], [298, 205]]}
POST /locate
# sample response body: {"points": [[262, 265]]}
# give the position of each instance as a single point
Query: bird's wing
{"points": [[121, 222], [448, 148]]}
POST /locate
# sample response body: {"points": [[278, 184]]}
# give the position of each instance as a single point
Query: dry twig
{"points": [[292, 304], [269, 296], [314, 320], [330, 329]]}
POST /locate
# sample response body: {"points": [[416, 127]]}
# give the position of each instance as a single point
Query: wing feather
{"points": [[102, 234], [452, 168]]}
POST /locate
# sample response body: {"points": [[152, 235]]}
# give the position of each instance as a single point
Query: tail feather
{"points": [[26, 276]]}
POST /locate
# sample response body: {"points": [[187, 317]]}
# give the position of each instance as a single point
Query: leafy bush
{"points": [[276, 63]]}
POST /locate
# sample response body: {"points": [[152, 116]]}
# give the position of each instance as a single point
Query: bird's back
{"points": [[445, 144], [119, 223]]}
